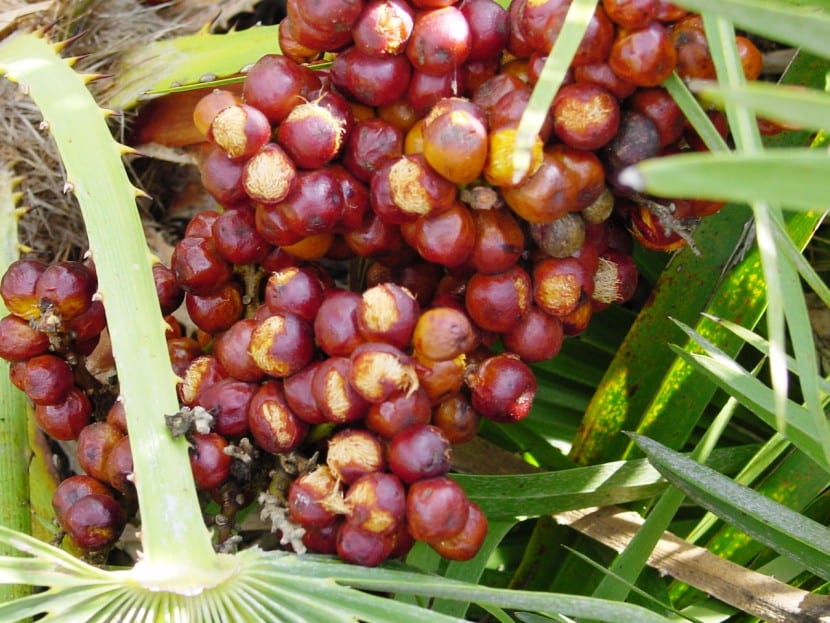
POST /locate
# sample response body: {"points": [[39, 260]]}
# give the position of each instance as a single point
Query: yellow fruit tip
{"points": [[24, 248], [20, 212]]}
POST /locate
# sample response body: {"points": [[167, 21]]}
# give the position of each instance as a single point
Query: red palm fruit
{"points": [[371, 80], [202, 372], [300, 398], [230, 348], [498, 302], [476, 73], [182, 351], [558, 285], [387, 313], [601, 74], [47, 379], [499, 241], [538, 337], [651, 232], [269, 174], [436, 509], [408, 187], [509, 109], [457, 419], [208, 106], [375, 238], [445, 238], [588, 172], [311, 496], [94, 521], [222, 177], [502, 388], [321, 540], [210, 464], [66, 288], [752, 61], [499, 170], [198, 265], [419, 452], [488, 94], [399, 411], [337, 400], [371, 143], [272, 225], [420, 278], [693, 57], [376, 503], [579, 319], [332, 16], [644, 57], [295, 290], [72, 489], [215, 311], [273, 425], [425, 90], [119, 467], [547, 195], [559, 238], [361, 547], [228, 400], [95, 442], [314, 205], [399, 113], [355, 201], [455, 144], [17, 287], [20, 342], [240, 130], [335, 326], [293, 49], [441, 40], [311, 35], [636, 140], [669, 12], [384, 27], [276, 84], [517, 44], [656, 104], [585, 116], [201, 225], [282, 344], [540, 23], [312, 134], [117, 416], [169, 293], [466, 544], [378, 370], [353, 452], [17, 374], [440, 378], [616, 278], [631, 13], [489, 28], [64, 420], [236, 237], [443, 333]]}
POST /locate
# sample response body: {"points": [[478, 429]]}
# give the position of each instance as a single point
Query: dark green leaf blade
{"points": [[777, 526]]}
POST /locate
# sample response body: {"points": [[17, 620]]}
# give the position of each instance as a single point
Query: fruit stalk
{"points": [[176, 548]]}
